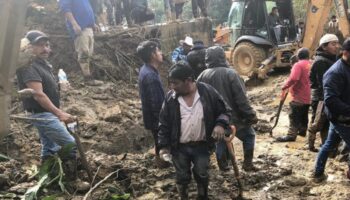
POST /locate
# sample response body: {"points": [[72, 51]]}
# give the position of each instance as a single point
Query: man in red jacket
{"points": [[299, 85]]}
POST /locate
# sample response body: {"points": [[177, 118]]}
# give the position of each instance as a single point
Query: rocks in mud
{"points": [[113, 114], [286, 171], [4, 180], [21, 188], [263, 126], [294, 181]]}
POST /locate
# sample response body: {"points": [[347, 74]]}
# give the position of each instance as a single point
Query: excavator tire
{"points": [[247, 56]]}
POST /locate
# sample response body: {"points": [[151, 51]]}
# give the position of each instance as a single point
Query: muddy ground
{"points": [[113, 136]]}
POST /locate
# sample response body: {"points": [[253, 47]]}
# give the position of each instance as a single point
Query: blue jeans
{"points": [[335, 134], [246, 135], [53, 134], [187, 154]]}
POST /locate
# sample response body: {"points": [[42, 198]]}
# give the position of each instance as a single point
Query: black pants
{"points": [[201, 5], [298, 119], [140, 15], [155, 137], [179, 9], [314, 105], [323, 131], [198, 155]]}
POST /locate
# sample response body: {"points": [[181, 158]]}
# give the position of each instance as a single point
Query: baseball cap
{"points": [[188, 40], [328, 38], [35, 36], [346, 45]]}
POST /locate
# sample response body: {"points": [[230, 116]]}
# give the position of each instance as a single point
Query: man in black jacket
{"points": [[140, 11], [193, 115], [196, 57], [325, 57], [228, 83]]}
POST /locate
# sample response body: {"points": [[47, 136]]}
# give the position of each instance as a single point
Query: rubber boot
{"points": [[311, 141], [85, 69], [223, 163], [70, 169], [183, 191], [169, 16], [248, 161], [202, 189]]}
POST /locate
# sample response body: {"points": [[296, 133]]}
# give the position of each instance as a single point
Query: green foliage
{"points": [[32, 192], [51, 197], [4, 158], [299, 8], [218, 10], [120, 197], [50, 172], [158, 7]]}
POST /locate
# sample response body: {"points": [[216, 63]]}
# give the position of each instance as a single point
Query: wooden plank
{"points": [[12, 19]]}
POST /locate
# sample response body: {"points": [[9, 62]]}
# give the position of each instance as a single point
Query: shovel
{"points": [[231, 151], [277, 116], [73, 131], [27, 93]]}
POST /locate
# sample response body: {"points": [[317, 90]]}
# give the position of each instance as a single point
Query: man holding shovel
{"points": [[298, 84], [45, 101], [228, 83]]}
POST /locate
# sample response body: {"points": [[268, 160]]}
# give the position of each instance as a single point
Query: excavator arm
{"points": [[317, 16]]}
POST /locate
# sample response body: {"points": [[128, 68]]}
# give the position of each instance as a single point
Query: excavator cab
{"points": [[262, 35], [271, 20]]}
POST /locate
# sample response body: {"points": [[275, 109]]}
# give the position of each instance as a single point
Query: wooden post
{"points": [[12, 20]]}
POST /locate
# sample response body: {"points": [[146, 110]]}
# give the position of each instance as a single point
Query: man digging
{"points": [[45, 103]]}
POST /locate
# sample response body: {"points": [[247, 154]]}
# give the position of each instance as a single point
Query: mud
{"points": [[113, 136]]}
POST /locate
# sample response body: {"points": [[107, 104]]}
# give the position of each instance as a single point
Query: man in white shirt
{"points": [[192, 117]]}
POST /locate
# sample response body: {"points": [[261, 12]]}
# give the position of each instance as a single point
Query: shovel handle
{"points": [[231, 151], [81, 150], [232, 135]]}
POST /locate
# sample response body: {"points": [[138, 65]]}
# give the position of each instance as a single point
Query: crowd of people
{"points": [[207, 96], [112, 12]]}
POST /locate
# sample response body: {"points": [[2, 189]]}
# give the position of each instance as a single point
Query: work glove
{"points": [[218, 133]]}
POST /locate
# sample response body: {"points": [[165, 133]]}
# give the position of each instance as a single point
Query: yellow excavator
{"points": [[318, 15], [255, 43]]}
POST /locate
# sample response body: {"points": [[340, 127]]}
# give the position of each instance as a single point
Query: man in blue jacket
{"points": [[180, 53], [151, 89], [80, 22], [336, 86]]}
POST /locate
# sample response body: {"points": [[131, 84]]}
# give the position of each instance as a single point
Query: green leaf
{"points": [[120, 197], [32, 192], [4, 158], [66, 150], [51, 197], [47, 166]]}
